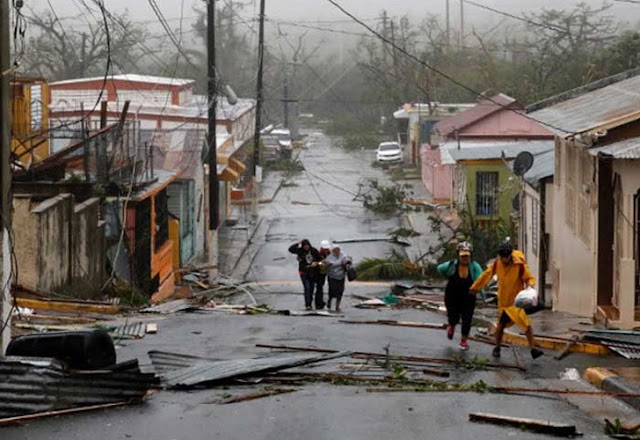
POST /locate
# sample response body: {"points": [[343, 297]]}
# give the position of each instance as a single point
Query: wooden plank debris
{"points": [[365, 355], [260, 395], [399, 324], [68, 306], [540, 426], [9, 421]]}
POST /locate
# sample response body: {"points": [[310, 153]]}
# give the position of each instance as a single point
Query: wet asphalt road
{"points": [[316, 411]]}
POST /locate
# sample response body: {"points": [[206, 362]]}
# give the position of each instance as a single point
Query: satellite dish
{"points": [[515, 203], [523, 163]]}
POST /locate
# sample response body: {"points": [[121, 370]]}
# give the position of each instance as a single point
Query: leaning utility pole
{"points": [[295, 109], [5, 177], [256, 136], [212, 92]]}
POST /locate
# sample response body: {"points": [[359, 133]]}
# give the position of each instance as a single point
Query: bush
{"points": [[367, 141]]}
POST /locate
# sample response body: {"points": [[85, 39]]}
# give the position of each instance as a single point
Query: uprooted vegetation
{"points": [[286, 165], [383, 199]]}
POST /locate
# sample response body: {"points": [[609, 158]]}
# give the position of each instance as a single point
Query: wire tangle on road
{"points": [[441, 73]]}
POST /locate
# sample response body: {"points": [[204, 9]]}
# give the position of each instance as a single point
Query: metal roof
{"points": [[628, 351], [33, 385], [207, 372], [626, 149], [474, 114], [149, 79], [489, 151], [543, 167], [592, 108]]}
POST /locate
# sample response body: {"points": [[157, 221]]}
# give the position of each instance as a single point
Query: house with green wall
{"points": [[483, 182]]}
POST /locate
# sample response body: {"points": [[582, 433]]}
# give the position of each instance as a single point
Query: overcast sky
{"points": [[368, 9]]}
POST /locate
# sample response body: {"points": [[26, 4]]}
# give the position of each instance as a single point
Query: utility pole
{"points": [[448, 26], [285, 101], [5, 177], [212, 96], [461, 37], [293, 119], [256, 136], [385, 18]]}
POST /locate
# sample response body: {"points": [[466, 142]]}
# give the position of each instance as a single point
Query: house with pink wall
{"points": [[498, 119]]}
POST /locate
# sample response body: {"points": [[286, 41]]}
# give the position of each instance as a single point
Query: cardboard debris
{"points": [[152, 327]]}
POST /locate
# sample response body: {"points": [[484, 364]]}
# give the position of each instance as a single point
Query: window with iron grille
{"points": [[487, 193]]}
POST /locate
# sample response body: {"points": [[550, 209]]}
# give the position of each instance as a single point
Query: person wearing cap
{"points": [[458, 298], [324, 251], [337, 264], [308, 266], [513, 276]]}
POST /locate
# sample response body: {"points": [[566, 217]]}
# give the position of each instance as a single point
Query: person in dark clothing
{"points": [[308, 266], [325, 251], [458, 299]]}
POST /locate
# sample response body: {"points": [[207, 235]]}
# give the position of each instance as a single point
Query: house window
{"points": [[36, 107], [487, 193]]}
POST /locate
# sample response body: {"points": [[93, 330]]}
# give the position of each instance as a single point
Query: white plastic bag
{"points": [[527, 299]]}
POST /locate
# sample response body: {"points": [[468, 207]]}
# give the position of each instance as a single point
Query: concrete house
{"points": [[596, 199], [498, 121], [484, 184]]}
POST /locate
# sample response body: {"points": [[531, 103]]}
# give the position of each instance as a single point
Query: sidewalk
{"points": [[233, 241]]}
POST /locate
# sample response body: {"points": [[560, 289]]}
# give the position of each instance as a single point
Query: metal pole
{"points": [[214, 198], [448, 26], [5, 176], [259, 98], [461, 37]]}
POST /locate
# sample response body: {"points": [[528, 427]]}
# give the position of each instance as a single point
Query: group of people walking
{"points": [[466, 278], [327, 264]]}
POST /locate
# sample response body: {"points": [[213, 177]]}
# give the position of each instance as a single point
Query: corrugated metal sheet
{"points": [[164, 362], [206, 372], [508, 151], [626, 149], [136, 330], [30, 386], [590, 108], [543, 167], [629, 351], [178, 305]]}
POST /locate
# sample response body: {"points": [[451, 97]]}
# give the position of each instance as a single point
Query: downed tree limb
{"points": [[398, 324], [541, 426], [20, 419], [255, 396], [365, 355]]}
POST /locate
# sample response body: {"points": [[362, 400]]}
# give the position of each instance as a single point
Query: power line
{"points": [[517, 17], [167, 28], [440, 72]]}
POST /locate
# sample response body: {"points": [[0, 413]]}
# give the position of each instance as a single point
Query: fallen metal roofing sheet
{"points": [[136, 330], [164, 362], [206, 372], [178, 305], [629, 351], [32, 385]]}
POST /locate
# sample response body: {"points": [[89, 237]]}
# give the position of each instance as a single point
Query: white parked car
{"points": [[284, 136], [389, 152]]}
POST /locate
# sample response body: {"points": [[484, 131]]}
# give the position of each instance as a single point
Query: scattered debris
{"points": [[80, 307], [203, 373], [624, 343], [567, 349], [534, 425], [40, 387], [152, 328], [254, 396], [434, 372], [10, 421], [175, 306], [133, 330], [324, 313], [399, 324]]}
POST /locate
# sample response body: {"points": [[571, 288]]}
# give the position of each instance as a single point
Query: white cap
{"points": [[324, 244]]}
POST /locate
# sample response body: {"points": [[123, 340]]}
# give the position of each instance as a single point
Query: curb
{"points": [[548, 343], [608, 381]]}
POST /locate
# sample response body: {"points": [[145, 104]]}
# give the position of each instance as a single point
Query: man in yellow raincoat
{"points": [[513, 276]]}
